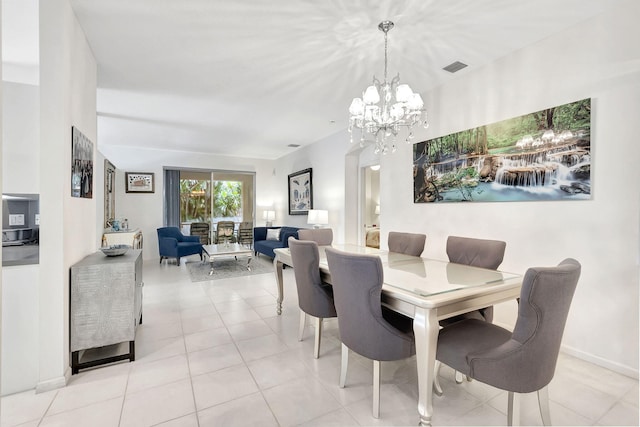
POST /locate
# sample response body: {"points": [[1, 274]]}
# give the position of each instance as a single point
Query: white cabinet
{"points": [[105, 306]]}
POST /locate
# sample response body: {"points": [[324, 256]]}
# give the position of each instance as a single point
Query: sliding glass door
{"points": [[213, 196]]}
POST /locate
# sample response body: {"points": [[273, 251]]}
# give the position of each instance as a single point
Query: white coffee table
{"points": [[226, 250]]}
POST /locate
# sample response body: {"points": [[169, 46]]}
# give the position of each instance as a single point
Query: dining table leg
{"points": [[278, 266], [425, 328]]}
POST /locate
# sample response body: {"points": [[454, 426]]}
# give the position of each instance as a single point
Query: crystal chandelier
{"points": [[385, 108]]}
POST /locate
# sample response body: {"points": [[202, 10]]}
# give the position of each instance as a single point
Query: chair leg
{"points": [[316, 344], [543, 403], [459, 378], [513, 409], [303, 318], [437, 388], [376, 389], [178, 261], [344, 364], [161, 258]]}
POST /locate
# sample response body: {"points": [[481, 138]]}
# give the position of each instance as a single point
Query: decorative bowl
{"points": [[115, 250]]}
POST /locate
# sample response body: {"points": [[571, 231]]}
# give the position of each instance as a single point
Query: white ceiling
{"points": [[247, 78]]}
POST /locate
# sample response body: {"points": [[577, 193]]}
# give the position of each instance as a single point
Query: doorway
{"points": [[370, 205]]}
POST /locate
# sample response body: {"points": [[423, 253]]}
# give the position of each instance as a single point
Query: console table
{"points": [[105, 306]]}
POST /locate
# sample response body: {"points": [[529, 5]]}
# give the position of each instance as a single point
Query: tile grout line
{"points": [[235, 344]]}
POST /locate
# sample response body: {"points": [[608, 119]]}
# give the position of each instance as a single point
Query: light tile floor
{"points": [[215, 354]]}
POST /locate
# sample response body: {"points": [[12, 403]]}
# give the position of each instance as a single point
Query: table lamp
{"points": [[318, 217], [269, 216]]}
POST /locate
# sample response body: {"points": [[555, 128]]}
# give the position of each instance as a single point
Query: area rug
{"points": [[225, 268]]}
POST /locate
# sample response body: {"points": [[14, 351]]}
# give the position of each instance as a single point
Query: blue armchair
{"points": [[173, 244]]}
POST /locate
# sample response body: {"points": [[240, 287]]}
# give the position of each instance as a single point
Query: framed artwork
{"points": [[544, 155], [109, 192], [139, 182], [300, 192], [81, 165]]}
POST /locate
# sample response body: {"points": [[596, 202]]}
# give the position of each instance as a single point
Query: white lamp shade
{"points": [[318, 217], [269, 215], [403, 93], [371, 96], [416, 102], [357, 107]]}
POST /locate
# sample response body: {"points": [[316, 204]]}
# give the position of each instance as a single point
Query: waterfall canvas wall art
{"points": [[545, 155]]}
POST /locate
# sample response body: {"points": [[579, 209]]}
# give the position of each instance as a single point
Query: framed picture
{"points": [[81, 165], [300, 192], [139, 182], [543, 155]]}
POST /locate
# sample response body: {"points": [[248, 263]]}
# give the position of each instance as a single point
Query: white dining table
{"points": [[426, 290]]}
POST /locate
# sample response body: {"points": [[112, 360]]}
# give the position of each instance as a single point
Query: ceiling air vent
{"points": [[293, 145], [454, 66]]}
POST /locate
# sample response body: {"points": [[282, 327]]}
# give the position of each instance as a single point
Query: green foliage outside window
{"points": [[195, 200], [227, 199]]}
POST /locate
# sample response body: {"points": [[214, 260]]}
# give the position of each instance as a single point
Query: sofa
{"points": [[265, 246]]}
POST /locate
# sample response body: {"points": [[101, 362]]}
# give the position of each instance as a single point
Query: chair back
{"points": [[527, 362], [481, 253], [173, 232], [357, 288], [476, 252], [200, 229], [245, 232], [225, 230], [322, 236], [314, 297], [406, 243]]}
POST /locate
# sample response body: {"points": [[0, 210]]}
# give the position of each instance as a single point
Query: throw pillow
{"points": [[273, 234]]}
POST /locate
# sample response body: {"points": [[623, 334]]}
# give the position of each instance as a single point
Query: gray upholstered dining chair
{"points": [[522, 361], [406, 243], [481, 253], [322, 236], [315, 298], [365, 326]]}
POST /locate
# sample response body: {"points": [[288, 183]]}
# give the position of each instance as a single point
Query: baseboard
{"points": [[54, 383], [608, 364], [605, 363]]}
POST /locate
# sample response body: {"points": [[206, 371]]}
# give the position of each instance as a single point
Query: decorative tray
{"points": [[115, 250]]}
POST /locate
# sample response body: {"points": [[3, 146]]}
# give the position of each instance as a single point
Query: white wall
{"points": [[326, 158], [20, 174], [20, 169], [600, 59], [1, 160], [68, 75], [145, 211]]}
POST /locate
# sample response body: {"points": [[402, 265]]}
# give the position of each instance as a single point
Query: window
{"points": [[212, 196]]}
